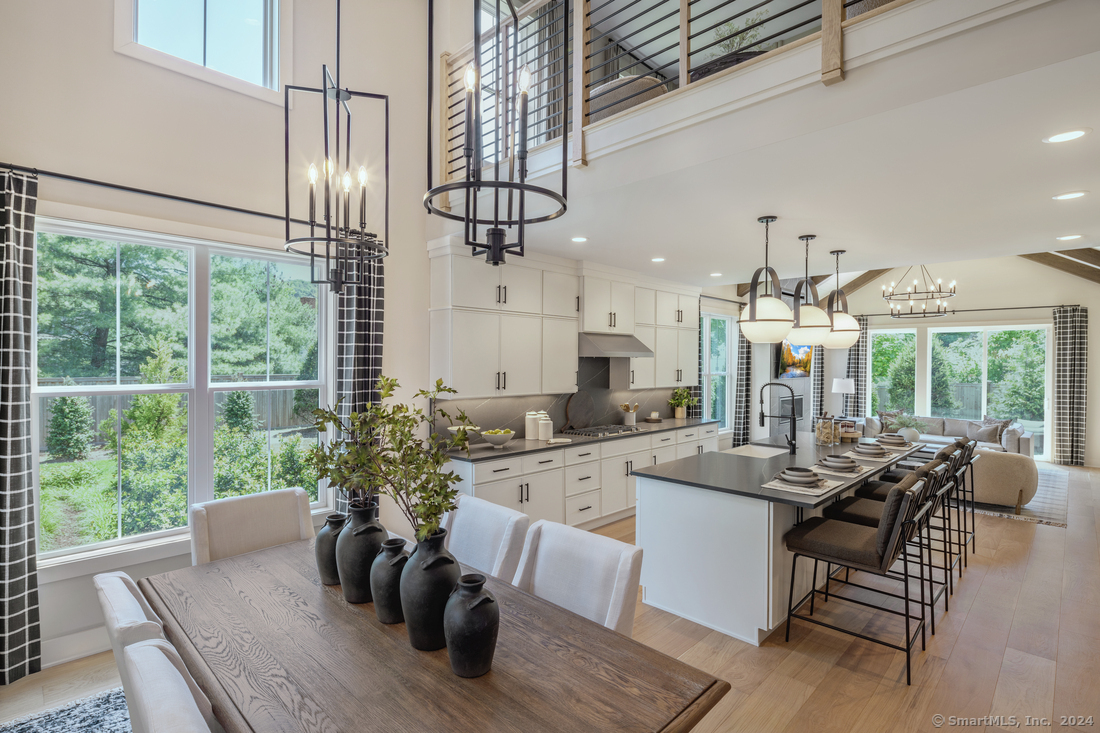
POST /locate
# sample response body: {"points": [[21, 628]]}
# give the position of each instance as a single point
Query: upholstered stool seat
{"points": [[854, 509], [832, 540]]}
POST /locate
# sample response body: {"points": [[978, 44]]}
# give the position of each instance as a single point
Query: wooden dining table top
{"points": [[275, 650]]}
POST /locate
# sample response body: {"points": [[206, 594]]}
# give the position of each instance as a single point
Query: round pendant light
{"points": [[846, 331], [811, 323], [766, 319]]}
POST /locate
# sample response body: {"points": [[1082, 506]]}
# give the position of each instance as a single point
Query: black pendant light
{"points": [[811, 324], [845, 331], [506, 214], [767, 319], [339, 244]]}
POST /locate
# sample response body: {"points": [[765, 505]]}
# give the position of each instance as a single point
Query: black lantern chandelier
{"points": [[507, 208], [338, 246], [913, 302]]}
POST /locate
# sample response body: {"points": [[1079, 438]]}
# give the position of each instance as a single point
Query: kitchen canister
{"points": [[546, 428], [531, 425]]}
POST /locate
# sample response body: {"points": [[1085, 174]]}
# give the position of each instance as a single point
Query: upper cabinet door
{"points": [[520, 355], [596, 305], [521, 289], [560, 295], [642, 368], [668, 309], [688, 344], [666, 358], [644, 306], [559, 356], [474, 284], [476, 353], [622, 307], [689, 311]]}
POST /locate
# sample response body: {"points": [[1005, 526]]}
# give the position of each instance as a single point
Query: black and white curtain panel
{"points": [[20, 645], [742, 396], [817, 372], [855, 405], [1071, 349]]}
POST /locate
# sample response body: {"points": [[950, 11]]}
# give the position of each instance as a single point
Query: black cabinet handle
{"points": [[498, 380], [632, 376], [548, 461], [665, 440], [629, 467], [584, 478], [505, 293], [521, 493], [498, 293], [689, 435], [615, 320], [505, 380], [498, 470], [700, 450], [578, 304], [582, 455], [584, 509], [654, 460], [528, 492], [609, 319]]}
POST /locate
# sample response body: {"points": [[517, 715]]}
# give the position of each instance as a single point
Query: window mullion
{"points": [[201, 415]]}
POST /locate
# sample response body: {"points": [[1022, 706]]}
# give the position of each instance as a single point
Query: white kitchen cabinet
{"points": [[520, 355], [614, 473], [521, 288], [485, 354], [688, 357], [508, 493], [560, 294], [608, 306], [559, 356], [666, 357], [475, 362], [582, 508], [475, 284], [544, 496], [685, 450], [664, 454], [689, 311], [709, 445], [680, 311], [636, 372], [645, 312], [622, 307], [637, 460]]}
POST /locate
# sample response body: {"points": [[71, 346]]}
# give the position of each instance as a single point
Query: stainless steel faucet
{"points": [[792, 437]]}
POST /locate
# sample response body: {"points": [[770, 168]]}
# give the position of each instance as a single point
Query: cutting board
{"points": [[579, 411]]}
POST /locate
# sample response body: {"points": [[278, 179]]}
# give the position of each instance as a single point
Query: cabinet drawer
{"points": [[497, 470], [660, 440], [582, 477], [688, 449], [622, 446], [582, 507], [543, 461], [688, 434], [708, 431], [582, 454]]}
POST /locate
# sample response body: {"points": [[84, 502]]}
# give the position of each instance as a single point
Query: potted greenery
{"points": [[908, 427], [391, 449], [681, 399]]}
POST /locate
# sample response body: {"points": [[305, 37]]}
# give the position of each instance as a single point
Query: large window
{"points": [[893, 370], [166, 373], [719, 335]]}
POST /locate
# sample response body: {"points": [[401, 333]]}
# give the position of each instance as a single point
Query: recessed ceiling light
{"points": [[580, 239], [658, 259], [1070, 195], [1069, 237], [1067, 136], [716, 274]]}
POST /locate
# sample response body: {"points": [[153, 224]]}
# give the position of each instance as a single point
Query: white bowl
{"points": [[870, 449], [498, 440], [809, 480]]}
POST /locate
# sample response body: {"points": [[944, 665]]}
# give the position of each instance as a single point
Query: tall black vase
{"points": [[427, 580], [385, 581], [356, 548], [471, 622], [325, 548]]}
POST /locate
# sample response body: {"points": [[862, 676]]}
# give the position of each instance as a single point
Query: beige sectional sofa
{"points": [[1006, 474]]}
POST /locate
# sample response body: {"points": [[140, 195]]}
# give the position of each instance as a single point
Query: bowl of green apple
{"points": [[498, 438]]}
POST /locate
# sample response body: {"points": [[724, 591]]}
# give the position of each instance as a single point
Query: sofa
{"points": [[1006, 474]]}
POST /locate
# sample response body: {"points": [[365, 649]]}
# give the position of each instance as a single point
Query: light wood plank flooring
{"points": [[1022, 638]]}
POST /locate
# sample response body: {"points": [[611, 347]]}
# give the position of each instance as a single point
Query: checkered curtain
{"points": [[359, 316], [855, 405], [1071, 349], [817, 395], [20, 648], [742, 396], [696, 410]]}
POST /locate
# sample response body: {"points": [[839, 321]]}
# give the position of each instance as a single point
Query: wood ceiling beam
{"points": [[1073, 267], [863, 280], [1088, 256], [743, 288]]}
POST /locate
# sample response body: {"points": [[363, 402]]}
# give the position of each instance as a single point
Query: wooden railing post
{"points": [[582, 33], [444, 201], [685, 43], [832, 42]]}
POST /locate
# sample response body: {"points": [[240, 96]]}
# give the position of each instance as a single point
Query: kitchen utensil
{"points": [[546, 428], [555, 441], [498, 440], [629, 418], [579, 411]]}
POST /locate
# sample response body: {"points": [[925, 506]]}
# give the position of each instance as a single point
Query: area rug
{"points": [[1050, 505], [102, 713]]}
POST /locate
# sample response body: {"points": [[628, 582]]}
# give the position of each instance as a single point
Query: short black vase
{"points": [[427, 580], [471, 622], [326, 548], [356, 548], [385, 581]]}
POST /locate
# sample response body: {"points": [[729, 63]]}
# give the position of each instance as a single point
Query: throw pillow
{"points": [[887, 418], [1010, 439], [954, 427], [1002, 425], [982, 433], [932, 425]]}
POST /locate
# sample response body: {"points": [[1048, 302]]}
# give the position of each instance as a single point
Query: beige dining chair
{"points": [[127, 614], [240, 524], [591, 575], [163, 697], [486, 536]]}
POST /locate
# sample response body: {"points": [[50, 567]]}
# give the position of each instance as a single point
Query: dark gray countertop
{"points": [[518, 446], [745, 475]]}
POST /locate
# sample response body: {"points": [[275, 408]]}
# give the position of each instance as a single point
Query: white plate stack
{"points": [[892, 439], [840, 463], [798, 476], [871, 450]]}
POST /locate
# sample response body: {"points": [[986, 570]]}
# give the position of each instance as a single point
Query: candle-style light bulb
{"points": [[524, 85], [362, 198], [525, 78], [312, 174], [347, 181], [470, 78], [362, 176], [312, 197]]}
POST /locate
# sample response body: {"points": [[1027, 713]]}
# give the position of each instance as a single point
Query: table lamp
{"points": [[843, 386]]}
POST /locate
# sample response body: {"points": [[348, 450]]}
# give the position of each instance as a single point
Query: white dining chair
{"points": [[486, 536], [240, 524], [591, 575], [164, 697], [127, 615]]}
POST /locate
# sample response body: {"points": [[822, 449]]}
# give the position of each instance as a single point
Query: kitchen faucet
{"points": [[792, 437]]}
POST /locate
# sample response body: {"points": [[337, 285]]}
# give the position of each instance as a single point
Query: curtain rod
{"points": [[724, 300], [979, 310], [145, 192]]}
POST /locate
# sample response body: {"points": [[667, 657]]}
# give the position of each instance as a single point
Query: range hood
{"points": [[612, 345]]}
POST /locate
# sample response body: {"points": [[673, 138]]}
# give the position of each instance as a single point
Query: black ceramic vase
{"points": [[470, 623], [326, 548], [385, 581], [358, 544], [427, 580]]}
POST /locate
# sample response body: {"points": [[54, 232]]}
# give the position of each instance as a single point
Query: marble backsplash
{"points": [[509, 412]]}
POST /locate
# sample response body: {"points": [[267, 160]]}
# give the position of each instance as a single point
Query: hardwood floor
{"points": [[1022, 638]]}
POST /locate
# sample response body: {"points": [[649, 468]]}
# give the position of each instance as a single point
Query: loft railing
{"points": [[633, 51]]}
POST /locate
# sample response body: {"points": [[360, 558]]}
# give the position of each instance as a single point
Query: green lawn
{"points": [[79, 503]]}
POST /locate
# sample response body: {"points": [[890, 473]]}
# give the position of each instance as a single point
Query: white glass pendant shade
{"points": [[813, 327], [773, 321], [845, 332]]}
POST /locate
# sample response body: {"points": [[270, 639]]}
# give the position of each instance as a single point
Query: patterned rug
{"points": [[1050, 505], [102, 713]]}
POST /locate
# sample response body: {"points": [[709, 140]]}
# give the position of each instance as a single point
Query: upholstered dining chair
{"points": [[127, 614], [163, 697], [486, 536], [240, 524], [591, 575]]}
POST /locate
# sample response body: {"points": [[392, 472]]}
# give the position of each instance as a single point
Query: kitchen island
{"points": [[713, 537]]}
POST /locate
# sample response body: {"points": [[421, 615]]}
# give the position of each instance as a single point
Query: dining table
{"points": [[274, 650]]}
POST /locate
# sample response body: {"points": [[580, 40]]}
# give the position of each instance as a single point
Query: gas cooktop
{"points": [[602, 431]]}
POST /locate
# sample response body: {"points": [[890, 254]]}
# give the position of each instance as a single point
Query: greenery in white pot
{"points": [[681, 399]]}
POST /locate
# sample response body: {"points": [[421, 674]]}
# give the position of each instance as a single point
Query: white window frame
{"points": [[731, 363], [199, 390], [125, 42]]}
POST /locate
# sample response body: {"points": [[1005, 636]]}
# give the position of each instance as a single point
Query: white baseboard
{"points": [[74, 646]]}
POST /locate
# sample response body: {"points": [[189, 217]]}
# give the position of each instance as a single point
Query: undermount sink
{"points": [[756, 451]]}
